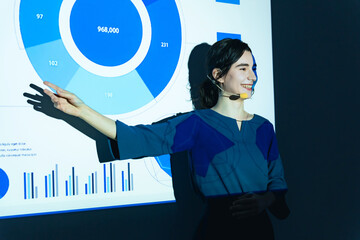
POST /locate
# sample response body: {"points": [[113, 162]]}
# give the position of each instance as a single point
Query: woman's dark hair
{"points": [[222, 55]]}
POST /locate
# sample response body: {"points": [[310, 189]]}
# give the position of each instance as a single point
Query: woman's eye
{"points": [[242, 69]]}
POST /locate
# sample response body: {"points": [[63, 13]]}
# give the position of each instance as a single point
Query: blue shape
{"points": [[46, 187], [164, 163], [266, 141], [205, 144], [222, 35], [237, 2], [148, 2], [4, 183], [106, 48], [255, 72], [60, 70], [39, 21], [25, 186], [160, 63], [113, 94]]}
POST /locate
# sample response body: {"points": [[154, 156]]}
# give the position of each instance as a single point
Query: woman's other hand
{"points": [[251, 204]]}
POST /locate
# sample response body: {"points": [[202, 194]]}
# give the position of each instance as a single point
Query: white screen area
{"points": [[126, 59]]}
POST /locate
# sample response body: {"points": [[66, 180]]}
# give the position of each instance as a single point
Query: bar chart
{"points": [[30, 190], [91, 187], [52, 183], [113, 175], [72, 184]]}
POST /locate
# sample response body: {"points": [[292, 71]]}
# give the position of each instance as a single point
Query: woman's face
{"points": [[241, 77]]}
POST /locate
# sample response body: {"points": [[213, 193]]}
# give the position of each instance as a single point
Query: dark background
{"points": [[316, 74]]}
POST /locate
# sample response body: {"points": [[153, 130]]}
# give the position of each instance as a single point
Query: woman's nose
{"points": [[252, 76]]}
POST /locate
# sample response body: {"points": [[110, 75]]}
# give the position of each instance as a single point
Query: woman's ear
{"points": [[216, 73]]}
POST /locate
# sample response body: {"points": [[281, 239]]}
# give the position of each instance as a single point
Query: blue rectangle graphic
{"points": [[237, 2], [222, 35]]}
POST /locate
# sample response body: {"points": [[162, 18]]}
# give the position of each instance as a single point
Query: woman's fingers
{"points": [[72, 98], [65, 94], [63, 100], [52, 96], [53, 86], [55, 99]]}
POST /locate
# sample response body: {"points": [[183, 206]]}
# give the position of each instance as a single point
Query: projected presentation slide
{"points": [[126, 59]]}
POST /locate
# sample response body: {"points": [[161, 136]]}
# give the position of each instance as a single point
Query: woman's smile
{"points": [[247, 86]]}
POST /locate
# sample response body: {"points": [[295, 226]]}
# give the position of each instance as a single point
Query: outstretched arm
{"points": [[69, 103]]}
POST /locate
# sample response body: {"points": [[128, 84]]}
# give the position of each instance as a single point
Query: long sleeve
{"points": [[276, 170], [152, 140], [267, 143], [266, 140]]}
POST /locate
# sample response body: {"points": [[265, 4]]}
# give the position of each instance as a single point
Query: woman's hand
{"points": [[65, 101], [69, 103], [251, 204]]}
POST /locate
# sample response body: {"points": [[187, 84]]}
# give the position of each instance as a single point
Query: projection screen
{"points": [[126, 59]]}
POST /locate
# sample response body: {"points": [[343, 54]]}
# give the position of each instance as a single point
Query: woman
{"points": [[235, 160]]}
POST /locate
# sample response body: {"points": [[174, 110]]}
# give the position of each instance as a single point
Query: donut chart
{"points": [[117, 56]]}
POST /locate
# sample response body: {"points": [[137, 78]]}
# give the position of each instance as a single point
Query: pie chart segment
{"points": [[115, 94], [52, 62], [159, 64], [39, 21]]}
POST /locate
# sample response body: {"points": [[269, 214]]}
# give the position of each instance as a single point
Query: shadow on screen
{"points": [[42, 103], [189, 201]]}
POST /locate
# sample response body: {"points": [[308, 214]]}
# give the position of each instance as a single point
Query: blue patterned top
{"points": [[225, 160]]}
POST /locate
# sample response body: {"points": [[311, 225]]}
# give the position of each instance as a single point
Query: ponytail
{"points": [[209, 94]]}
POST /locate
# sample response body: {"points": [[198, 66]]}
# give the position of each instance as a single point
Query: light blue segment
{"points": [[70, 186], [114, 187], [28, 182], [77, 185], [107, 95], [89, 186], [50, 189], [96, 182], [52, 62], [132, 182], [57, 180]]}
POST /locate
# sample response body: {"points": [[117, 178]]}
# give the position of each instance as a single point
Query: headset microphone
{"points": [[237, 96], [231, 97]]}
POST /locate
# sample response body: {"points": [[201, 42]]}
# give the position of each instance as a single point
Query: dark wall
{"points": [[316, 69]]}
